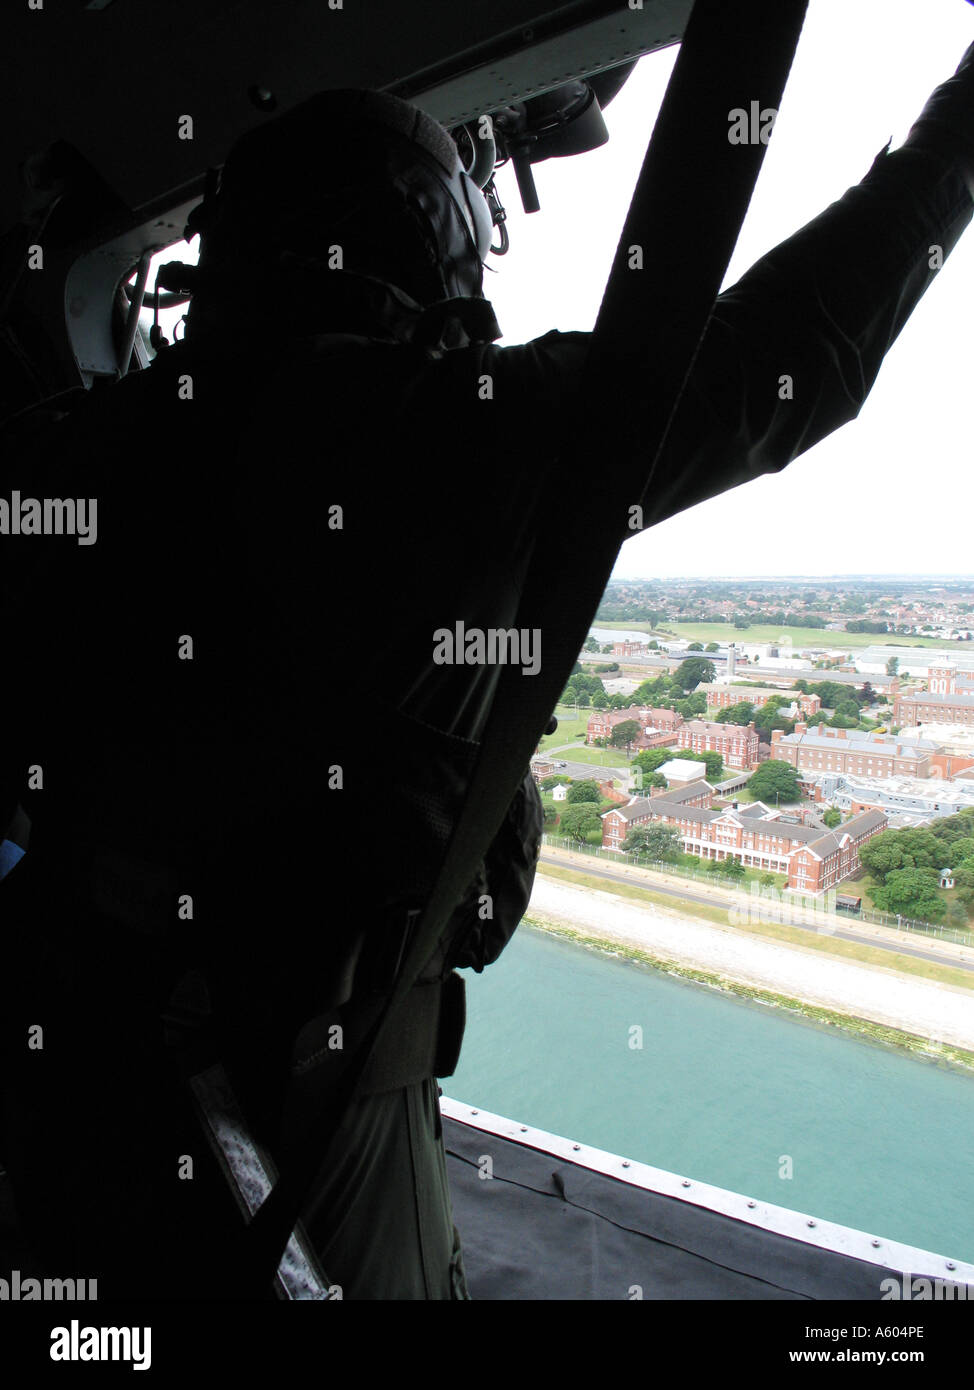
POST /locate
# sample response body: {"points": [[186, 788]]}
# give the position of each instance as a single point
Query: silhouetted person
{"points": [[233, 639]]}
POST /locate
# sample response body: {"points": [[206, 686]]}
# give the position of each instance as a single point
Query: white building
{"points": [[917, 660], [910, 799], [682, 771]]}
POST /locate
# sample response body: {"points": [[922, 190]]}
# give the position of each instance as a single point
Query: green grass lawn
{"points": [[570, 728], [800, 636]]}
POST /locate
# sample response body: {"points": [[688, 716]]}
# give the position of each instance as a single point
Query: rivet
{"points": [[576, 1147], [752, 1204], [951, 1265], [524, 1129], [876, 1244], [475, 1112], [686, 1182], [625, 1163], [811, 1223]]}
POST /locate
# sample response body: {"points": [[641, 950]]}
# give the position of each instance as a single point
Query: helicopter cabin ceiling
{"points": [[116, 78]]}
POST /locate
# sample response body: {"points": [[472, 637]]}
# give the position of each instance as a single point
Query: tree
{"points": [[624, 735], [732, 867], [892, 666], [550, 811], [911, 893], [768, 718], [652, 758], [964, 882], [774, 781], [950, 829], [713, 763], [591, 645], [832, 817], [881, 855], [831, 693], [583, 699], [694, 671], [848, 709], [584, 791], [741, 713], [600, 701], [695, 647], [711, 647], [920, 848], [867, 696], [655, 841], [579, 821]]}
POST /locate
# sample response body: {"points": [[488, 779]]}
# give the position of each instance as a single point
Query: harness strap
{"points": [[646, 338]]}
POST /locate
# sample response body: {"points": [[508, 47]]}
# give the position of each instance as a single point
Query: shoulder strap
{"points": [[693, 192]]}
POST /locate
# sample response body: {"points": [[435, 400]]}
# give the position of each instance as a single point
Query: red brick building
{"points": [[724, 696], [852, 751], [813, 859], [737, 745], [629, 648], [948, 699], [657, 726]]}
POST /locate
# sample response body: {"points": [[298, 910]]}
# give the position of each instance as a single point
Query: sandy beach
{"points": [[932, 1010]]}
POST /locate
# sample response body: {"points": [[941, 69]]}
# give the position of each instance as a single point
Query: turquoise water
{"points": [[721, 1091]]}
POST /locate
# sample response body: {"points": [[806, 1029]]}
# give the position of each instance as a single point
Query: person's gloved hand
{"points": [[946, 124]]}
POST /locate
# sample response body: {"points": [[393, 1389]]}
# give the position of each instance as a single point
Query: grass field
{"points": [[570, 728], [799, 636]]}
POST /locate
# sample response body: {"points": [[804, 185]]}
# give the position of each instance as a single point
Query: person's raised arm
{"points": [[795, 346]]}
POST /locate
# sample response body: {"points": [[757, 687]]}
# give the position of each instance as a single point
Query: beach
{"points": [[930, 1009]]}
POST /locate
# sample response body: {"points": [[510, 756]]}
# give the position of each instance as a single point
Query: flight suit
{"points": [[213, 774]]}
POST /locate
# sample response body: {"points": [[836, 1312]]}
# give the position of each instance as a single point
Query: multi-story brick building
{"points": [[657, 726], [948, 699], [698, 793], [737, 744], [852, 751], [629, 648], [725, 696], [812, 858]]}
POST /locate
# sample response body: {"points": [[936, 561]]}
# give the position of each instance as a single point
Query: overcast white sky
{"points": [[893, 490]]}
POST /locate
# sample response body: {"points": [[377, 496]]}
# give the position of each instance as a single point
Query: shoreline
{"points": [[789, 978]]}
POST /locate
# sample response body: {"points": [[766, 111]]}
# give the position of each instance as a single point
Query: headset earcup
{"points": [[483, 223]]}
